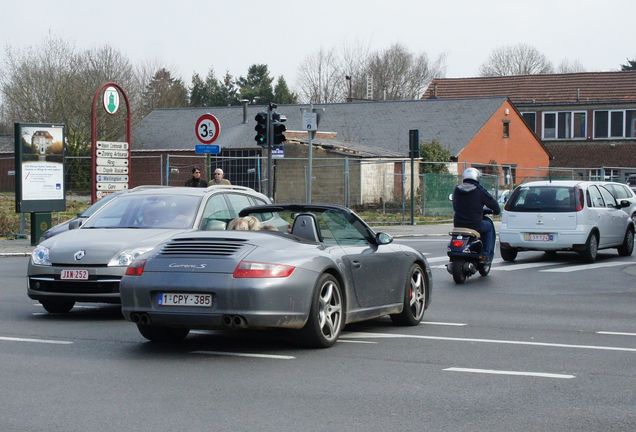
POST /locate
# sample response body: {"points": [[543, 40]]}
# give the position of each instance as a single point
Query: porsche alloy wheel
{"points": [[414, 298], [326, 317]]}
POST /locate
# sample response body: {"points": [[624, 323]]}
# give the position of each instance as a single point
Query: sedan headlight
{"points": [[125, 257], [40, 256]]}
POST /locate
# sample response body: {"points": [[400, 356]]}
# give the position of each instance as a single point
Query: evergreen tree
{"points": [[199, 94], [434, 152], [164, 91], [257, 85], [282, 95], [629, 66]]}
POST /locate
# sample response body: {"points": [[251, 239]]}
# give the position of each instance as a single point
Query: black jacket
{"points": [[194, 182], [469, 199]]}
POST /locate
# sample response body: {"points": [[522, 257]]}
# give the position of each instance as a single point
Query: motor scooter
{"points": [[465, 253]]}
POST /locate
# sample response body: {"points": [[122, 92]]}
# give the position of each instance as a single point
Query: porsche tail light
{"points": [[580, 200], [136, 268], [252, 269], [457, 243]]}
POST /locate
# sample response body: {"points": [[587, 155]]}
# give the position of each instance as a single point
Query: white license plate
{"points": [[185, 299], [539, 237], [72, 274]]}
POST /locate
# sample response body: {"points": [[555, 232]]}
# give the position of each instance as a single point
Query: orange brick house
{"points": [[587, 121]]}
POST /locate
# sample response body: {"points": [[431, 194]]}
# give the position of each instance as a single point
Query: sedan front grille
{"points": [[203, 246]]}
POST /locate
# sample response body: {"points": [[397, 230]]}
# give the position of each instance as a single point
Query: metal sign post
{"points": [[310, 124]]}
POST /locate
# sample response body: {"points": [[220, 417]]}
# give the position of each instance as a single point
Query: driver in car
{"points": [[469, 199]]}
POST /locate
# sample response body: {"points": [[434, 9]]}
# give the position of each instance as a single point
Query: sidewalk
{"points": [[22, 247]]}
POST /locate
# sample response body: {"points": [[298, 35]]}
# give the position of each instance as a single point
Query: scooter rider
{"points": [[469, 199]]}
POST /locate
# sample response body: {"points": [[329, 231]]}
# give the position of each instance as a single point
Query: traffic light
{"points": [[261, 129], [279, 127]]}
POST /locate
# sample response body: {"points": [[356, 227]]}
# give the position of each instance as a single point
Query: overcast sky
{"points": [[191, 36]]}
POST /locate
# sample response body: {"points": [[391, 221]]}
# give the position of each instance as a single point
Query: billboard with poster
{"points": [[39, 167]]}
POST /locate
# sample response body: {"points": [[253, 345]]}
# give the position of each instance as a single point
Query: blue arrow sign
{"points": [[207, 148]]}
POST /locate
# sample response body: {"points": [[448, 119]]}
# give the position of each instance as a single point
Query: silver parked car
{"points": [[86, 264], [623, 192], [565, 215], [328, 270]]}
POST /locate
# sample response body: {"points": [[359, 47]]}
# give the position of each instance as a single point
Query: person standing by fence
{"points": [[196, 180], [218, 178]]}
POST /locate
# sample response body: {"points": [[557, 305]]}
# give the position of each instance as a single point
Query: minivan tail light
{"points": [[136, 268], [580, 198], [252, 269]]}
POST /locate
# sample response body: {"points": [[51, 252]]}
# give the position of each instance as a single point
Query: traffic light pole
{"points": [[310, 161], [270, 141]]}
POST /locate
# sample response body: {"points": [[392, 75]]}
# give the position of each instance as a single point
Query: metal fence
{"points": [[380, 185]]}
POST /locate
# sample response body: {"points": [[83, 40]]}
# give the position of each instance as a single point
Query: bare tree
{"points": [[56, 83], [399, 75], [321, 78], [567, 66], [518, 59]]}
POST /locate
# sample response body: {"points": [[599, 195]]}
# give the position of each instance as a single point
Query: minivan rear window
{"points": [[554, 199]]}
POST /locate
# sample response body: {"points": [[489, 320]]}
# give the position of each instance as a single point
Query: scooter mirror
{"points": [[450, 197]]}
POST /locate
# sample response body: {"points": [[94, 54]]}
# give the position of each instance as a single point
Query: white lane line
{"points": [[437, 259], [514, 267], [588, 266], [44, 341], [237, 354], [443, 323], [503, 372], [74, 306], [364, 335], [615, 333], [356, 341], [443, 266]]}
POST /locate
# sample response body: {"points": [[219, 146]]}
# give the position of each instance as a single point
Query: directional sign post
{"points": [[111, 167]]}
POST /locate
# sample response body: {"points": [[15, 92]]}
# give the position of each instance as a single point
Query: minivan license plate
{"points": [[539, 237], [184, 299]]}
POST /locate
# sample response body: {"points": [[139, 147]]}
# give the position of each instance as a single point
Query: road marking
{"points": [[588, 267], [74, 306], [615, 333], [44, 341], [364, 335], [356, 341], [514, 267], [237, 354], [503, 372], [443, 323], [443, 266], [437, 259]]}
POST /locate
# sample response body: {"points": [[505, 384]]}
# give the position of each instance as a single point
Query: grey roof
{"points": [[7, 144], [375, 128]]}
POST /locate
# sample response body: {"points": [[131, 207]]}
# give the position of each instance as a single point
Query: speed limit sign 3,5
{"points": [[207, 129]]}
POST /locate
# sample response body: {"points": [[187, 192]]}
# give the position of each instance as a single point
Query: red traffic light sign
{"points": [[207, 129]]}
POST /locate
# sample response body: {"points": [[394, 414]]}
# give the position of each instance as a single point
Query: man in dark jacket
{"points": [[469, 199], [196, 180]]}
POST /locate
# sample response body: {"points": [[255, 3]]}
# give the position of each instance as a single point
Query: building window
{"points": [[595, 175], [564, 124], [506, 128], [615, 124], [531, 120]]}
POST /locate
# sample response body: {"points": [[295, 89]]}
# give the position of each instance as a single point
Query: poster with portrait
{"points": [[39, 153]]}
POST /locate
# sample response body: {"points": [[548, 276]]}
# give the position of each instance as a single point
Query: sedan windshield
{"points": [[147, 211]]}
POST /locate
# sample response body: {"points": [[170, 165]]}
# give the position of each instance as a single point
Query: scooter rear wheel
{"points": [[458, 272]]}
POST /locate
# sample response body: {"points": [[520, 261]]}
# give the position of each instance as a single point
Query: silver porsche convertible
{"points": [[325, 269]]}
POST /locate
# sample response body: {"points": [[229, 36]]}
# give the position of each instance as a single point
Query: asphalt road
{"points": [[544, 344]]}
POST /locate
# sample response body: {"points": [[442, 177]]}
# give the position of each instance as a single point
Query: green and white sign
{"points": [[111, 100]]}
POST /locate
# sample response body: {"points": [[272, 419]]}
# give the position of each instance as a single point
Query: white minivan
{"points": [[564, 215]]}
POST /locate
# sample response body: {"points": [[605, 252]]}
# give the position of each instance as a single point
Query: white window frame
{"points": [[609, 123], [556, 125], [595, 175]]}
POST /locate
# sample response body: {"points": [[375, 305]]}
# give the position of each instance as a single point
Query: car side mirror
{"points": [[383, 238], [74, 224], [623, 204]]}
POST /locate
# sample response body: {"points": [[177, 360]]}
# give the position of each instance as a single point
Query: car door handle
{"points": [[356, 264]]}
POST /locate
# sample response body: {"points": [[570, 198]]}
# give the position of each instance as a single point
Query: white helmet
{"points": [[471, 173]]}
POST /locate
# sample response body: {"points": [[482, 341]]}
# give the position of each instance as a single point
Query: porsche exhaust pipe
{"points": [[234, 321], [144, 319], [134, 317]]}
